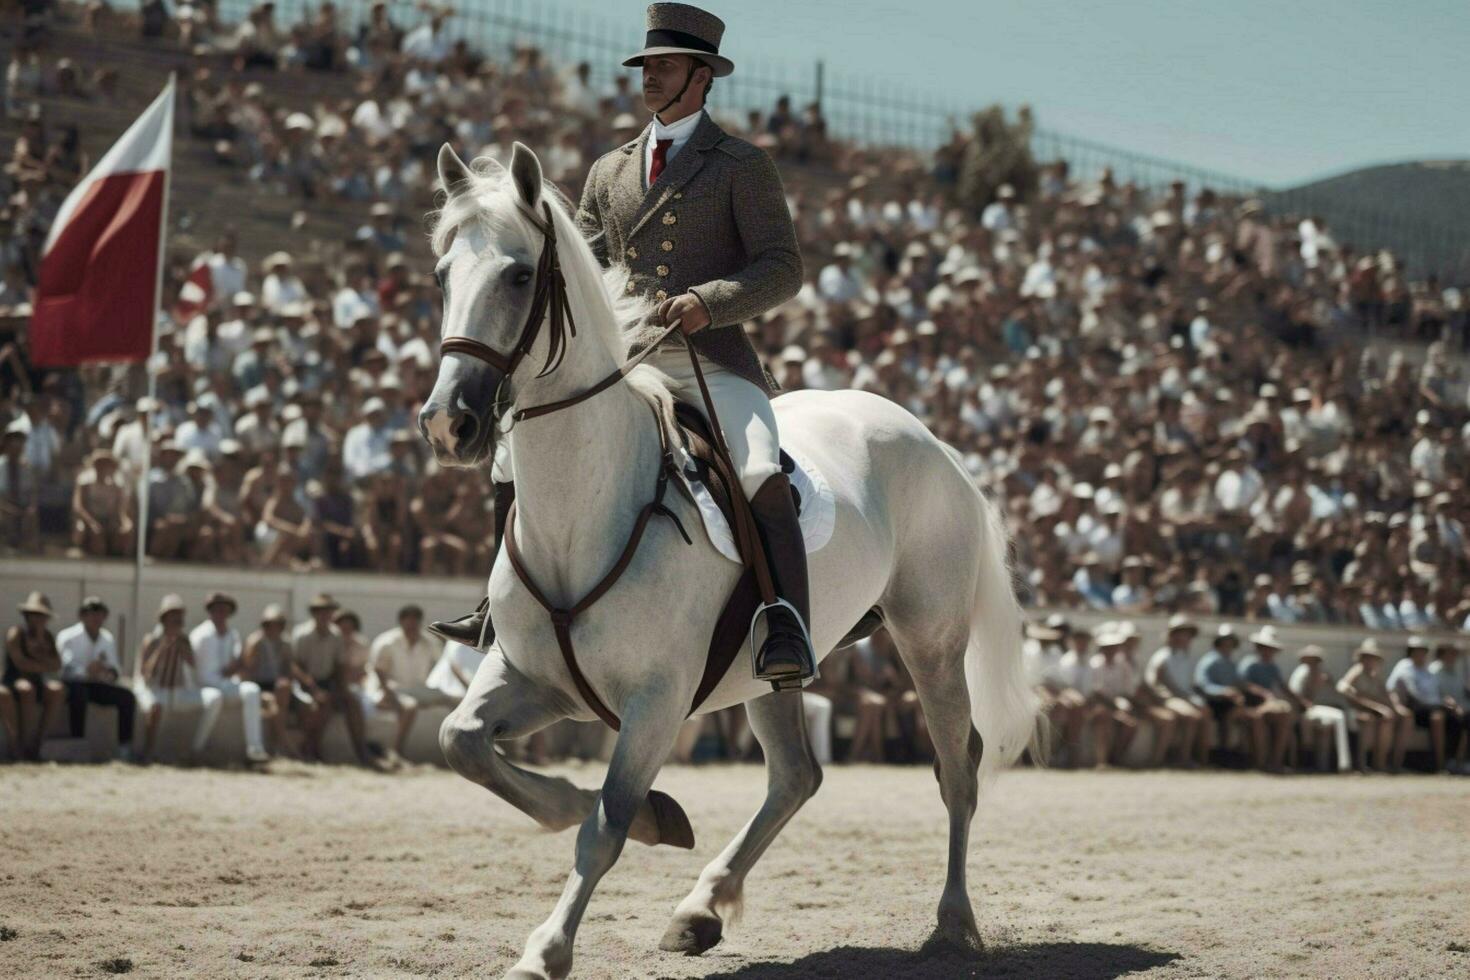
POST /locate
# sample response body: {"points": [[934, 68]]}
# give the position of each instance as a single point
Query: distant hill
{"points": [[1420, 211]]}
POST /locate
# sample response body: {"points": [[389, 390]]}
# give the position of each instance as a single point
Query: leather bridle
{"points": [[550, 298]]}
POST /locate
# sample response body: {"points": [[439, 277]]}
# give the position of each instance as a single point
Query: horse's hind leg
{"points": [[939, 677], [793, 776]]}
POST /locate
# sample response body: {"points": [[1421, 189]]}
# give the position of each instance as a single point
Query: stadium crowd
{"points": [[1169, 390]]}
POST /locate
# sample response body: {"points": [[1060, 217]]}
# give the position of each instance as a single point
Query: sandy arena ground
{"points": [[333, 872]]}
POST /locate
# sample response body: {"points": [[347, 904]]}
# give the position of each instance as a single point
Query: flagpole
{"points": [[150, 369]]}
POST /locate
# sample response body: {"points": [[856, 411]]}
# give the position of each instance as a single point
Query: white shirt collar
{"points": [[679, 132]]}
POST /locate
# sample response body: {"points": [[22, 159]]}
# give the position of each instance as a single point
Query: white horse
{"points": [[914, 539]]}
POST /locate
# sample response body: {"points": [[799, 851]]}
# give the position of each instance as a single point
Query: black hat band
{"points": [[678, 39]]}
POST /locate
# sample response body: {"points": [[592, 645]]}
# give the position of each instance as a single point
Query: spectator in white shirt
{"points": [[455, 670], [428, 42], [840, 282], [200, 431], [1096, 711], [997, 214], [227, 270], [90, 669], [1064, 705], [1170, 676], [218, 663], [1112, 684], [366, 449], [280, 287], [1414, 689], [1131, 594], [401, 661], [1323, 722]]}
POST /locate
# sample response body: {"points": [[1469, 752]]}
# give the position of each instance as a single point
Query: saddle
{"points": [[733, 625], [708, 466], [712, 468]]}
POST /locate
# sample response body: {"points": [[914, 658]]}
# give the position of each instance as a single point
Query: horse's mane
{"points": [[598, 296]]}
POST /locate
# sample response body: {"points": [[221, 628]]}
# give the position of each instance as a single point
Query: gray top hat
{"points": [[678, 28]]}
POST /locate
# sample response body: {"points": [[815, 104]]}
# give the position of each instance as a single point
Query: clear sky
{"points": [[1278, 91]]}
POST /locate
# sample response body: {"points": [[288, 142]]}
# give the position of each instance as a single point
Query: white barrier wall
{"points": [[376, 599]]}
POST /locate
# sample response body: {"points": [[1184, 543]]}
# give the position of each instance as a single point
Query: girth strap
{"points": [[562, 619]]}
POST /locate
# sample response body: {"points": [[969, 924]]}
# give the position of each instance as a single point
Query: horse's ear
{"points": [[452, 170], [525, 170]]}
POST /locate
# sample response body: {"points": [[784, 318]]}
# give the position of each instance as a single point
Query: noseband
{"points": [[551, 292]]}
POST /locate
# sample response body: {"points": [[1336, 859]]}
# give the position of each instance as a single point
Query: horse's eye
{"points": [[521, 277]]}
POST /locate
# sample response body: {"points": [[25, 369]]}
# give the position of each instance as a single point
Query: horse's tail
{"points": [[1003, 707]]}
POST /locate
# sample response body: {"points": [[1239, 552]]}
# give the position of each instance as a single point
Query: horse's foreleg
{"points": [[502, 703], [650, 726], [793, 776]]}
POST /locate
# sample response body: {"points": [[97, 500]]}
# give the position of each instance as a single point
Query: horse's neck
{"points": [[582, 475]]}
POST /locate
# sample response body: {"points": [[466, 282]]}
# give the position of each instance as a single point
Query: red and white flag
{"points": [[97, 294]]}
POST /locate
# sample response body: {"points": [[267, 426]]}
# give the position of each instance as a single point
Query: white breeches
{"points": [[205, 700], [1334, 718], [744, 410], [247, 694]]}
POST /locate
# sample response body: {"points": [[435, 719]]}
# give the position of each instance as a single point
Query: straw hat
{"points": [[1310, 652], [92, 603], [1368, 648], [1266, 637], [36, 602], [1043, 633], [273, 613], [275, 260], [1179, 621], [171, 603], [680, 28], [1109, 637], [322, 601]]}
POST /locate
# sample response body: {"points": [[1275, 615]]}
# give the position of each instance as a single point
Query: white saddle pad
{"points": [[818, 506]]}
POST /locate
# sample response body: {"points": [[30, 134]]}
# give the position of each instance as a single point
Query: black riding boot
{"points": [[468, 629], [786, 658]]}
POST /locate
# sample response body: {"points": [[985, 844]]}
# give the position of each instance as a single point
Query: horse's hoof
{"points": [[674, 828], [955, 932], [692, 935]]}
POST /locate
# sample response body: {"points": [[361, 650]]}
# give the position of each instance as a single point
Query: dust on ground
{"points": [[320, 871]]}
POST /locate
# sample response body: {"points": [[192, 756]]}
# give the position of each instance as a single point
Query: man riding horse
{"points": [[701, 221]]}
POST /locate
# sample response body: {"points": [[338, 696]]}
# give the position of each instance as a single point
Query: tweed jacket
{"points": [[715, 223]]}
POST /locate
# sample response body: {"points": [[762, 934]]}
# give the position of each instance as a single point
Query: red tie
{"points": [[660, 154]]}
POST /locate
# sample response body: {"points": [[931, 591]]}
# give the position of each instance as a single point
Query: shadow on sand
{"points": [[1059, 961]]}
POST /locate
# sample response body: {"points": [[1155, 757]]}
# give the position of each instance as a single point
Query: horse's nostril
{"points": [[464, 428]]}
